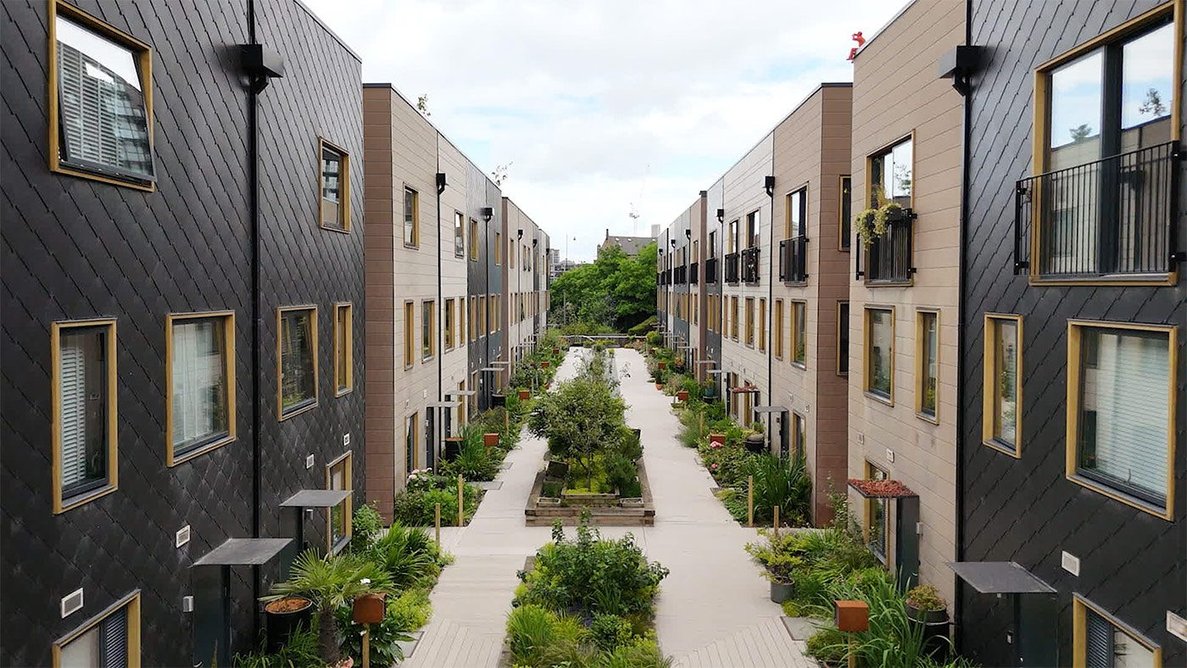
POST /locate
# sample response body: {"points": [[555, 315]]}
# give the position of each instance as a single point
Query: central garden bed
{"points": [[603, 509]]}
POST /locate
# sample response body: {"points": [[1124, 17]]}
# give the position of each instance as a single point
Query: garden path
{"points": [[712, 609]]}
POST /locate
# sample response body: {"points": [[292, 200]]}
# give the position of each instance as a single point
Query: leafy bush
{"points": [[408, 554], [386, 636], [475, 461], [641, 653], [829, 645], [778, 555], [654, 338], [782, 483], [301, 650], [592, 575], [609, 632], [415, 505], [410, 610], [365, 527]]}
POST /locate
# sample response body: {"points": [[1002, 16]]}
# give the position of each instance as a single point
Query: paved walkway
{"points": [[712, 609]]}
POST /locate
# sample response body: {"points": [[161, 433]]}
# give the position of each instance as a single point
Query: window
{"points": [[876, 517], [498, 249], [100, 107], [483, 322], [449, 324], [338, 477], [762, 324], [335, 189], [843, 338], [110, 639], [799, 334], [84, 406], [752, 229], [797, 214], [846, 222], [713, 244], [428, 329], [927, 358], [777, 334], [409, 334], [734, 318], [750, 321], [200, 368], [296, 350], [1121, 394], [879, 353], [1002, 384], [411, 436], [799, 435], [343, 348], [473, 319], [1100, 641], [733, 236], [411, 218], [459, 234], [890, 175], [473, 240]]}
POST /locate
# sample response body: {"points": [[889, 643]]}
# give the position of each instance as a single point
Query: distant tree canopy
{"points": [[616, 291]]}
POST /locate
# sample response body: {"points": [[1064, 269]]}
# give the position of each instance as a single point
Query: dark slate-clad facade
{"points": [[230, 223], [1071, 241]]}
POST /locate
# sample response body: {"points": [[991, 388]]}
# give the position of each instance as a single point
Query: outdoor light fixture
{"points": [[441, 183], [769, 185], [260, 64], [534, 242], [687, 234], [673, 243], [487, 213], [519, 233], [721, 215]]}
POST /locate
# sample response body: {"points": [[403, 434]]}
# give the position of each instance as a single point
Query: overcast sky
{"points": [[604, 104]]}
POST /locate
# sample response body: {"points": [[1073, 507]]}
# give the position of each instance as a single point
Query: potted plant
{"points": [[755, 441], [779, 563], [330, 583], [524, 395], [926, 606], [682, 395], [863, 225], [282, 617], [661, 365]]}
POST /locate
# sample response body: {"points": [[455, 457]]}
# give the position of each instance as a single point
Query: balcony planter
{"points": [[781, 591], [490, 439], [524, 395], [368, 609], [284, 616]]}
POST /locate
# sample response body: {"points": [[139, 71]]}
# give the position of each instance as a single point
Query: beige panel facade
{"points": [[897, 95], [811, 156], [453, 164]]}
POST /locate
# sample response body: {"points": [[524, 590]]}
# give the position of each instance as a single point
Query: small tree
{"points": [[580, 419]]}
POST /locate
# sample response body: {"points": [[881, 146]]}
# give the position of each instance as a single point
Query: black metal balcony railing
{"points": [[692, 273], [680, 275], [750, 271], [793, 260], [731, 267], [711, 270], [1114, 216], [889, 257]]}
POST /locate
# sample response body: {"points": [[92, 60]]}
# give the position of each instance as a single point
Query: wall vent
{"points": [[1070, 564], [183, 536], [71, 603]]}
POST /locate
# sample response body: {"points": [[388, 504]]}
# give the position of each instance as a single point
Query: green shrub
{"points": [[365, 527], [415, 505], [411, 609], [385, 636], [641, 653], [654, 338], [622, 475], [408, 555], [475, 461], [782, 483], [829, 645], [531, 632], [609, 632], [300, 651]]}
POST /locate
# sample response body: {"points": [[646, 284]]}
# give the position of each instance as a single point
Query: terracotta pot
{"points": [[368, 609], [490, 439], [717, 438], [682, 395], [545, 364], [524, 395], [661, 365]]}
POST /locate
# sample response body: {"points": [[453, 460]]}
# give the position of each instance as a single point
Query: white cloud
{"points": [[603, 104]]}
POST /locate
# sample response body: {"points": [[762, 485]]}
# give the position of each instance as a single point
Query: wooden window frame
{"points": [[920, 365], [340, 390], [346, 458], [343, 187], [415, 243], [888, 557], [1074, 329], [762, 324], [281, 415], [132, 603], [428, 307], [447, 327], [142, 53], [989, 385], [172, 458], [474, 236], [777, 329], [61, 505], [412, 424], [869, 163], [748, 338], [1080, 608], [409, 333], [799, 447], [796, 327], [498, 248], [734, 317], [1042, 129], [866, 365], [844, 241], [459, 224]]}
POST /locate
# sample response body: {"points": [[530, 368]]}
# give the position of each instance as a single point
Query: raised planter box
{"points": [[542, 511]]}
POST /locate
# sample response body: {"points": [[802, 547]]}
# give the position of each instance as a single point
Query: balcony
{"points": [[731, 268], [793, 260], [692, 273], [750, 271], [680, 275], [1112, 218], [711, 271], [888, 258]]}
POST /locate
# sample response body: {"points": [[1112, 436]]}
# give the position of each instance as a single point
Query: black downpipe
{"points": [[768, 320], [253, 196], [438, 421], [965, 140]]}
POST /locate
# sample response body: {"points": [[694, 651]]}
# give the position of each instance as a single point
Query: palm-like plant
{"points": [[407, 555], [331, 583]]}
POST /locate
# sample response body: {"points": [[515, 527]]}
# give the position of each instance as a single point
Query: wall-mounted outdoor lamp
{"points": [[534, 242], [769, 185], [519, 234], [673, 243], [487, 213], [721, 215], [441, 182], [687, 234]]}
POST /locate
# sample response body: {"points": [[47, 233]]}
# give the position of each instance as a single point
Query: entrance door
{"points": [[431, 438]]}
